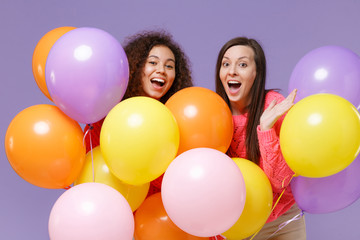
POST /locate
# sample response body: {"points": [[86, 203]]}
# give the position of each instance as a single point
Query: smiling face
{"points": [[159, 72], [237, 75]]}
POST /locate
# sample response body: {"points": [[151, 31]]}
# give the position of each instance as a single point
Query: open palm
{"points": [[275, 110]]}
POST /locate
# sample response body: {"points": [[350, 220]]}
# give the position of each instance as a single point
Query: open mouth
{"points": [[158, 82], [234, 85]]}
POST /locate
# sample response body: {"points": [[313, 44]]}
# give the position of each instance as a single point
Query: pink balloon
{"points": [[203, 192], [87, 73], [91, 211]]}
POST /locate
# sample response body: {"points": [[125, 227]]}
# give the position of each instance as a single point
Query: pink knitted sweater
{"points": [[271, 159]]}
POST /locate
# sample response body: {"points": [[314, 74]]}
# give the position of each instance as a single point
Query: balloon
{"points": [[203, 117], [328, 194], [45, 147], [135, 195], [87, 73], [320, 135], [328, 69], [139, 138], [153, 223], [91, 211], [203, 192], [41, 53], [258, 204]]}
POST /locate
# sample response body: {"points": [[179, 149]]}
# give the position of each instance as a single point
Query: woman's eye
{"points": [[169, 66], [225, 64], [243, 65], [152, 62]]}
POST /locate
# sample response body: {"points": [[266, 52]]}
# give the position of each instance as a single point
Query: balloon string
{"points": [[91, 127], [91, 151], [283, 182], [256, 233], [282, 225], [86, 133], [277, 201]]}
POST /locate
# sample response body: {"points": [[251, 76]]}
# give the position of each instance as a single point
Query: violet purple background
{"points": [[286, 29]]}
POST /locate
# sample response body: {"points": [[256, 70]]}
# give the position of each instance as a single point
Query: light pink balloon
{"points": [[203, 192], [91, 211]]}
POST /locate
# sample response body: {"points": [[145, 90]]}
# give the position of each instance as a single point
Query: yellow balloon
{"points": [[135, 195], [320, 135], [258, 203], [139, 138]]}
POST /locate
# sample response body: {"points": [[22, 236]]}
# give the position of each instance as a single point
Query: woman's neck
{"points": [[238, 108]]}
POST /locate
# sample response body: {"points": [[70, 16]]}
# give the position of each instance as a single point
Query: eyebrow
{"points": [[169, 59], [238, 58]]}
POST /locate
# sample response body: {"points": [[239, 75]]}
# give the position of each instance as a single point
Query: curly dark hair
{"points": [[137, 48]]}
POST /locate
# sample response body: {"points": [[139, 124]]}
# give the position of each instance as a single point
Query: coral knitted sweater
{"points": [[271, 159]]}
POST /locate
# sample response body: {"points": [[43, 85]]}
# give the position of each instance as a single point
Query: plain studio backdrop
{"points": [[286, 29]]}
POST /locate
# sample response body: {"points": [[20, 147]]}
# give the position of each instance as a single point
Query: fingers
{"points": [[271, 105], [292, 95], [289, 100]]}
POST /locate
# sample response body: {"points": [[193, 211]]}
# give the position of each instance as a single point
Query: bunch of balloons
{"points": [[320, 135], [84, 72], [141, 139]]}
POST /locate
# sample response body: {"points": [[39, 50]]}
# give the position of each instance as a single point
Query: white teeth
{"points": [[234, 82], [158, 80]]}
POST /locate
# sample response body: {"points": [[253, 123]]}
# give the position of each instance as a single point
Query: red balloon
{"points": [[204, 119], [153, 223]]}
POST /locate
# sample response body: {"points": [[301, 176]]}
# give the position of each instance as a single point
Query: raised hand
{"points": [[275, 110]]}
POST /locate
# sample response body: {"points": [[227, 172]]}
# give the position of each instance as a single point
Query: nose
{"points": [[160, 68], [233, 71]]}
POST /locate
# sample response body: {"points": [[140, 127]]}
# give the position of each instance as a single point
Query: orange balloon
{"points": [[203, 117], [41, 53], [45, 147], [153, 223]]}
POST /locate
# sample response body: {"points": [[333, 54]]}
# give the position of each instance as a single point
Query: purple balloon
{"points": [[86, 73], [328, 69], [328, 194]]}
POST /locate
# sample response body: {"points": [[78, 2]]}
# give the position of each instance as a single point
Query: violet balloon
{"points": [[87, 73], [328, 194], [328, 69]]}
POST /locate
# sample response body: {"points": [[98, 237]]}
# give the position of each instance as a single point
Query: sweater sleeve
{"points": [[272, 160]]}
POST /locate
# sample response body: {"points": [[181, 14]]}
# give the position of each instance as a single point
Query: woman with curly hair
{"points": [[158, 69], [149, 74]]}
